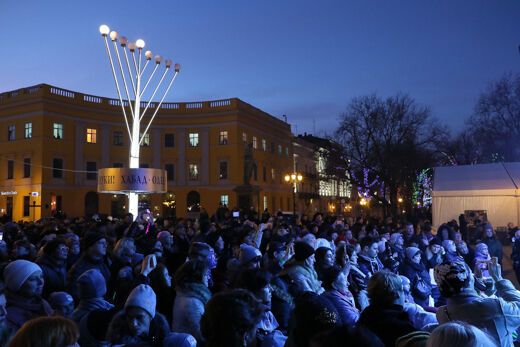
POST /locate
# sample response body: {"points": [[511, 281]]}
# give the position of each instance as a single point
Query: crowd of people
{"points": [[255, 280]]}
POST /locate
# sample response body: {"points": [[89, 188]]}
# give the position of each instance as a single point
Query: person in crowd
{"points": [[74, 249], [355, 335], [467, 253], [458, 334], [324, 260], [258, 282], [161, 283], [139, 323], [409, 235], [515, 254], [434, 254], [231, 319], [494, 245], [368, 260], [397, 246], [482, 259], [53, 263], [24, 283], [5, 330], [414, 269], [301, 268], [498, 316], [191, 286], [94, 257], [335, 284], [451, 251], [385, 316], [62, 303], [419, 317], [91, 288], [54, 331]]}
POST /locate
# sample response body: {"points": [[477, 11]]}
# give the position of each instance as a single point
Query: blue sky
{"points": [[305, 59]]}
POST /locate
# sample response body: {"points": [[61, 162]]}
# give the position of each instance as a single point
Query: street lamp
{"points": [[134, 73], [294, 178]]}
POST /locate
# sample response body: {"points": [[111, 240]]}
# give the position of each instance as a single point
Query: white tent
{"points": [[489, 187]]}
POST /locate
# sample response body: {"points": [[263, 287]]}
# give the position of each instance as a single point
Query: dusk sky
{"points": [[305, 59]]}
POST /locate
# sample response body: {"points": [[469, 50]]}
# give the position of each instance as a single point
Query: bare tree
{"points": [[394, 138]]}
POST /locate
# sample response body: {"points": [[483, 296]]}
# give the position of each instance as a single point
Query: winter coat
{"points": [[188, 308], [298, 271], [348, 313], [419, 317], [282, 302], [369, 266], [494, 247], [498, 317], [54, 274], [388, 323], [21, 309], [415, 273], [83, 264], [267, 334]]}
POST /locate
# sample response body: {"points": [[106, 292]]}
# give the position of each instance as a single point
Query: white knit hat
{"points": [[143, 297], [17, 272]]}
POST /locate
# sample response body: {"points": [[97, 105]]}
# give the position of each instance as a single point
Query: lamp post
{"points": [[134, 73], [294, 178]]}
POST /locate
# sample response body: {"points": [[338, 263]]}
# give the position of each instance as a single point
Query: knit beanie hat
{"points": [[17, 272], [91, 284], [435, 241], [199, 249], [143, 297], [302, 250], [451, 277], [58, 299], [394, 237], [248, 253], [412, 252], [90, 238], [322, 243]]}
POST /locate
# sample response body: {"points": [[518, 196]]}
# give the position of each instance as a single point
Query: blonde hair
{"points": [[459, 334]]}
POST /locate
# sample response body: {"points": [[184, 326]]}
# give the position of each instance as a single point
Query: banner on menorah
{"points": [[125, 180]]}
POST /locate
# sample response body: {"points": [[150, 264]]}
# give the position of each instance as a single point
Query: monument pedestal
{"points": [[248, 196]]}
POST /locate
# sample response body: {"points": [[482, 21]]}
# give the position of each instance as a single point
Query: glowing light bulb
{"points": [[104, 30]]}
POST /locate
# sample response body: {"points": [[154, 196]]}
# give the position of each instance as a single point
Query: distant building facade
{"points": [[53, 141]]}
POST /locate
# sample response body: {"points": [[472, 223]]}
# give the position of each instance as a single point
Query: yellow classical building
{"points": [[53, 141]]}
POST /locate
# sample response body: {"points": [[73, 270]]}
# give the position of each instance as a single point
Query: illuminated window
{"points": [[223, 138], [255, 144], [273, 174], [280, 149], [264, 145], [265, 202], [11, 132], [224, 200], [287, 151], [146, 140], [244, 137], [91, 135], [193, 172], [193, 139], [28, 130], [57, 131]]}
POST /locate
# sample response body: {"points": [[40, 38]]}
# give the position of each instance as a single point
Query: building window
{"points": [[265, 202], [223, 170], [244, 137], [169, 140], [26, 167], [91, 170], [287, 151], [280, 149], [193, 139], [26, 206], [255, 144], [118, 138], [224, 200], [91, 135], [264, 145], [273, 174], [193, 172], [170, 172], [264, 173], [11, 132], [10, 169], [57, 168], [117, 165], [223, 138], [146, 140], [28, 130], [272, 147], [57, 131]]}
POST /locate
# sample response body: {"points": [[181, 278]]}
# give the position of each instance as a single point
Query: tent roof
{"points": [[495, 176]]}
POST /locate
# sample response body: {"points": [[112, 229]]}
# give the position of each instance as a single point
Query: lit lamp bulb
{"points": [[177, 67], [113, 35], [400, 200], [287, 178], [158, 59], [299, 177], [104, 29], [139, 43], [123, 40], [148, 55], [168, 63], [131, 46], [293, 177]]}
